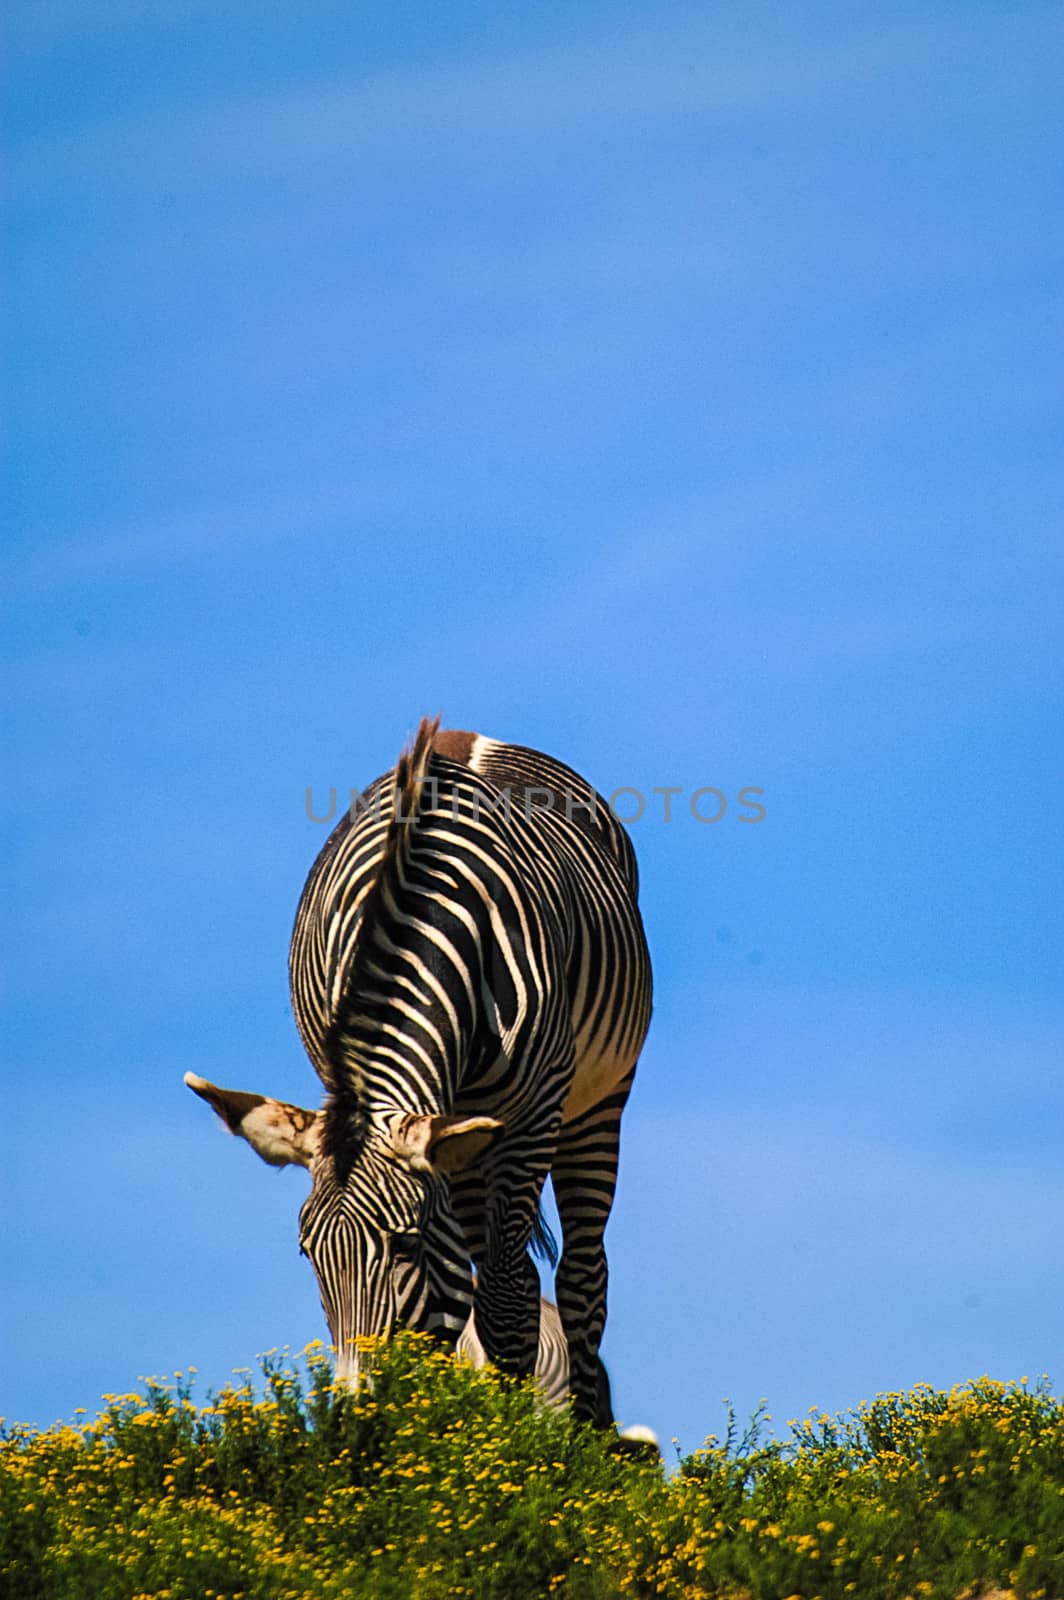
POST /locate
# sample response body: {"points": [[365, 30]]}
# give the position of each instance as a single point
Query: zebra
{"points": [[471, 980]]}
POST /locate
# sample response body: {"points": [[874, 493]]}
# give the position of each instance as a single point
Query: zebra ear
{"points": [[445, 1144], [281, 1134]]}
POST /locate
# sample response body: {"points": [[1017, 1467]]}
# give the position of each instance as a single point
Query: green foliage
{"points": [[442, 1481]]}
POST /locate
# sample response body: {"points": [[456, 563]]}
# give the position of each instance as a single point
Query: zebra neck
{"points": [[392, 1062]]}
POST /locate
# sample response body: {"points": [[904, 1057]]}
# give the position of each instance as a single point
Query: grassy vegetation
{"points": [[442, 1482]]}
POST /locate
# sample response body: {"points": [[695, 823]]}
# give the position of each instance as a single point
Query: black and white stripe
{"points": [[479, 962], [552, 1357]]}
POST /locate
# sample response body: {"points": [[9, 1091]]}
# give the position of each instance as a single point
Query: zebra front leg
{"points": [[506, 1299], [506, 1310], [584, 1175]]}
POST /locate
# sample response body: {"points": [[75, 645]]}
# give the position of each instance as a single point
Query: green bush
{"points": [[442, 1481]]}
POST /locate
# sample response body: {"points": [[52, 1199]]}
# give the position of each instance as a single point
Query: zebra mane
{"points": [[345, 1114]]}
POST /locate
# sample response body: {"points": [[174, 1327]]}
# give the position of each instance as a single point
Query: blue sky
{"points": [[673, 388]]}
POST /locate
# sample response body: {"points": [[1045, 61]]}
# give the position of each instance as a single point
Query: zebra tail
{"points": [[544, 1244]]}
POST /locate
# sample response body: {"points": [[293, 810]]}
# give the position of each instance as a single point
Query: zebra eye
{"points": [[405, 1246]]}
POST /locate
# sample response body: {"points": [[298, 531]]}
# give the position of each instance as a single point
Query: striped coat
{"points": [[471, 980]]}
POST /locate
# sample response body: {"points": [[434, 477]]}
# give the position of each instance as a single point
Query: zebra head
{"points": [[377, 1226]]}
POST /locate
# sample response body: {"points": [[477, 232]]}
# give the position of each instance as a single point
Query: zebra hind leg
{"points": [[603, 1397], [583, 1176], [636, 1443]]}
